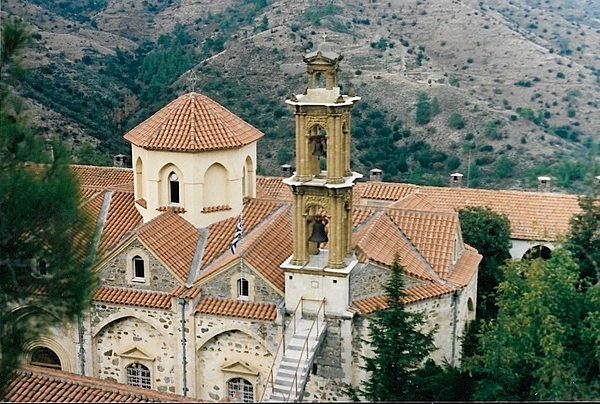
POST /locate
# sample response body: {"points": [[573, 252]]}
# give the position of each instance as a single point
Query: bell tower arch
{"points": [[322, 185]]}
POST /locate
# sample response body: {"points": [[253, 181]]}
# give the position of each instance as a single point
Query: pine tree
{"points": [[399, 346], [45, 274]]}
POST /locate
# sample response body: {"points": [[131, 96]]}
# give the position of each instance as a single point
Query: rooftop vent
{"points": [[543, 183], [119, 160], [375, 174], [456, 180], [286, 170]]}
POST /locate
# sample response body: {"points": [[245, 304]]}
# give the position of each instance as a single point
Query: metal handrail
{"points": [[279, 353], [320, 317]]}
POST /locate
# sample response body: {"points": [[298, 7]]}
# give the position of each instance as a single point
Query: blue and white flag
{"points": [[237, 236]]}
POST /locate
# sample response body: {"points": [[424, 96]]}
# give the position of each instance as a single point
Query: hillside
{"points": [[498, 91]]}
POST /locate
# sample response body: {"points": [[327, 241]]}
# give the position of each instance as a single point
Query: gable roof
{"points": [[38, 384], [173, 240], [193, 122], [540, 216]]}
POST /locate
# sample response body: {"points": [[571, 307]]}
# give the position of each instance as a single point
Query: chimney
{"points": [[543, 184], [375, 174], [456, 180], [119, 160], [286, 170]]}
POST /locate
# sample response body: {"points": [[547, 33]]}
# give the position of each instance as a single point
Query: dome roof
{"points": [[193, 122]]}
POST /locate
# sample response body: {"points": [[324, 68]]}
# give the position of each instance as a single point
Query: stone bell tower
{"points": [[322, 187]]}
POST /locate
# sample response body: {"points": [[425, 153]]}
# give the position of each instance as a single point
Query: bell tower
{"points": [[322, 187]]}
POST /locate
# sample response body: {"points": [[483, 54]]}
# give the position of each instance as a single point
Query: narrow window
{"points": [[242, 285], [241, 390], [173, 188], [138, 268], [138, 375], [45, 357], [41, 267]]}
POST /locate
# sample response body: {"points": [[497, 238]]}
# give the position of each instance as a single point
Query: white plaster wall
{"points": [[520, 247], [193, 167]]}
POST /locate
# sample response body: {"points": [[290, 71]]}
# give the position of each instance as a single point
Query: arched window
{"points": [[42, 268], [242, 287], [45, 357], [241, 388], [138, 268], [173, 188], [138, 375]]}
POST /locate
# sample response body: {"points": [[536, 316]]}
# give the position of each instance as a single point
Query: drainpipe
{"points": [[182, 303], [81, 347], [454, 326]]}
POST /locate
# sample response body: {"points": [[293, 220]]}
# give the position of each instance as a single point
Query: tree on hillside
{"points": [[45, 274], [423, 112], [399, 345], [543, 345], [583, 239], [489, 233]]}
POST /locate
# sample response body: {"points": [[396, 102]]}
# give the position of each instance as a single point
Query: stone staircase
{"points": [[294, 359]]}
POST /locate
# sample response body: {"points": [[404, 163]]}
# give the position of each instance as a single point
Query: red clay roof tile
{"points": [[193, 122], [173, 239], [37, 384], [133, 297], [234, 308], [413, 294]]}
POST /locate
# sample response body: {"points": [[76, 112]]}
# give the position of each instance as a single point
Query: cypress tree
{"points": [[399, 345]]}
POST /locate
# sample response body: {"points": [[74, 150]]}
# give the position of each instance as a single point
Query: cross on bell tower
{"points": [[323, 181]]}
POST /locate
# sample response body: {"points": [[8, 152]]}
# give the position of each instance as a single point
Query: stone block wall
{"points": [[227, 348], [114, 272], [128, 340]]}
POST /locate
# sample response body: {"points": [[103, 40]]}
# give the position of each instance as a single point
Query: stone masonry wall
{"points": [[114, 272], [368, 280], [223, 342], [130, 339], [221, 286]]}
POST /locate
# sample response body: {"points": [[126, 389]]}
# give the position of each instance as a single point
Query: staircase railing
{"points": [[305, 347], [287, 336]]}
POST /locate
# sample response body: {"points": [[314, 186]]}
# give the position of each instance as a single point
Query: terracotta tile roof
{"points": [[383, 239], [133, 297], [388, 191], [122, 217], [264, 247], [220, 234], [533, 215], [465, 267], [413, 294], [234, 308], [37, 384], [433, 234], [173, 239], [193, 122], [102, 177], [415, 201], [273, 188], [361, 214], [271, 248]]}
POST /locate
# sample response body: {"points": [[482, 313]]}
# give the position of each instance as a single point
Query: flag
{"points": [[237, 236]]}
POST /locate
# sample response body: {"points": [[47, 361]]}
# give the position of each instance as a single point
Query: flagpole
{"points": [[241, 259]]}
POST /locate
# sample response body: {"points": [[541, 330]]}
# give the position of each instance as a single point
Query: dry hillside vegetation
{"points": [[523, 75]]}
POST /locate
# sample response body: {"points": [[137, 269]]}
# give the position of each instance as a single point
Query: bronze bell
{"points": [[318, 233], [319, 150]]}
